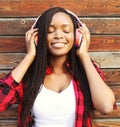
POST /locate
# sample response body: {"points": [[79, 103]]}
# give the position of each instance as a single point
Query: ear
{"points": [[36, 40]]}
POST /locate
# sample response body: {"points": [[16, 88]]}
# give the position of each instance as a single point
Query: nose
{"points": [[58, 34]]}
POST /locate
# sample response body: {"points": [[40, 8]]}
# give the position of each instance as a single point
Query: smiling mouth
{"points": [[58, 44]]}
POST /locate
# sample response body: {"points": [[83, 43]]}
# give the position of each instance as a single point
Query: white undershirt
{"points": [[52, 109]]}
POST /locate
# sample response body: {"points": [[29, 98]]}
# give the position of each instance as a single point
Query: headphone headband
{"points": [[70, 12], [35, 22]]}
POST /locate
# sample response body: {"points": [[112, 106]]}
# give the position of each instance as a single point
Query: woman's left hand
{"points": [[85, 40]]}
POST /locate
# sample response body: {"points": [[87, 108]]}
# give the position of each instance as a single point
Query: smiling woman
{"points": [[56, 83]]}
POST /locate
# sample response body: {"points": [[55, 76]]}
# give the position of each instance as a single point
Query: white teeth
{"points": [[58, 45]]}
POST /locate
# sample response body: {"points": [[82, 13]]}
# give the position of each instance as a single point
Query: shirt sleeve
{"points": [[10, 91], [98, 70]]}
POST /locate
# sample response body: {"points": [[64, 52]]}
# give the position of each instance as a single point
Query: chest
{"points": [[52, 106], [56, 82]]}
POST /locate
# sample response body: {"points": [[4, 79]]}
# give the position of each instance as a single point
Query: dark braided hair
{"points": [[35, 75]]}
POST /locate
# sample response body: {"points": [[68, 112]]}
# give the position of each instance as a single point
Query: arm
{"points": [[19, 72], [10, 92], [102, 96], [10, 86]]}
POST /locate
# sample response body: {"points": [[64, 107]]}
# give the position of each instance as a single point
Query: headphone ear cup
{"points": [[78, 39], [36, 40]]}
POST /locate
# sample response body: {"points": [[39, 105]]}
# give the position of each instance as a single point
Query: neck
{"points": [[58, 64]]}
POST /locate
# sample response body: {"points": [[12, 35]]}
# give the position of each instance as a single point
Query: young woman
{"points": [[56, 83]]}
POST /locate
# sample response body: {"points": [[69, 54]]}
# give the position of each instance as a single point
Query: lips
{"points": [[58, 44]]}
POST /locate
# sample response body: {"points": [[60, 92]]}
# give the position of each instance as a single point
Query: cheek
{"points": [[48, 38], [71, 39]]}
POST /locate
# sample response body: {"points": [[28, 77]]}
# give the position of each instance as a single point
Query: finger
{"points": [[34, 35], [30, 33], [84, 30]]}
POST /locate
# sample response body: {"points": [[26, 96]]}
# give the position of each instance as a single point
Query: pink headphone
{"points": [[78, 35]]}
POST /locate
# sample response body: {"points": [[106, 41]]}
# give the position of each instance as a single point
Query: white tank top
{"points": [[52, 109]]}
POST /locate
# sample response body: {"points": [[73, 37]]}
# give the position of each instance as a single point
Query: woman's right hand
{"points": [[30, 42], [19, 72]]}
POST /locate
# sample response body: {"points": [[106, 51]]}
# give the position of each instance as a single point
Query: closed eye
{"points": [[66, 28], [66, 31], [51, 29]]}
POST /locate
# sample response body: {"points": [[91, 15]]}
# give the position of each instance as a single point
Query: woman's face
{"points": [[60, 36]]}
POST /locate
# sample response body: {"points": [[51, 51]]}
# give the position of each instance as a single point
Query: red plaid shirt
{"points": [[12, 92]]}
